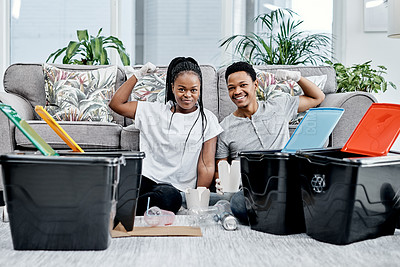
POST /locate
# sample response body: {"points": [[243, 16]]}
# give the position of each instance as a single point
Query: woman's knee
{"points": [[168, 197]]}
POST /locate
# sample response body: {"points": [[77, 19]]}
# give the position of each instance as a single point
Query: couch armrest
{"points": [[21, 106], [130, 138], [7, 133], [355, 105]]}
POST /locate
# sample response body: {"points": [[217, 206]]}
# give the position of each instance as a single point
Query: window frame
{"points": [[5, 49]]}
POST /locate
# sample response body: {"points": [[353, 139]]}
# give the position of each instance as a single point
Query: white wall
{"points": [[359, 47], [362, 46]]}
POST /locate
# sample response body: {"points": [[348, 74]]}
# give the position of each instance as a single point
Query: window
{"points": [[166, 29], [316, 14], [40, 27], [152, 30]]}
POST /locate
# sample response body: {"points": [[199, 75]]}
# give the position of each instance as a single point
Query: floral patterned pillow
{"points": [[149, 88], [79, 95], [320, 81], [268, 87]]}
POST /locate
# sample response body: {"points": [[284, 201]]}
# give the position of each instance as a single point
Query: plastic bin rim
{"points": [[127, 154], [328, 108], [362, 160], [264, 154], [41, 159]]}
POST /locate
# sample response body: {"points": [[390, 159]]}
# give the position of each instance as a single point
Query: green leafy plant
{"points": [[360, 77], [92, 50], [281, 43]]}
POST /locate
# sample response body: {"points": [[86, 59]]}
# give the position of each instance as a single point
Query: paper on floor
{"points": [[119, 231]]}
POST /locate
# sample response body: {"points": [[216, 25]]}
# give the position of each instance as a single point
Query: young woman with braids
{"points": [[178, 137]]}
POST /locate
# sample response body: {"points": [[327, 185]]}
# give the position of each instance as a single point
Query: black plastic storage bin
{"points": [[60, 203], [348, 197], [272, 192], [129, 182]]}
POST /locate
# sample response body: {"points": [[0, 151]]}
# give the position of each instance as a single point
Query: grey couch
{"points": [[24, 88]]}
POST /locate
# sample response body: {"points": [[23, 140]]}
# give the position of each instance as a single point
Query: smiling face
{"points": [[186, 89], [242, 89]]}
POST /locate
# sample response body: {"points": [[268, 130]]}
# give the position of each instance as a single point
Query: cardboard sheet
{"points": [[119, 231]]}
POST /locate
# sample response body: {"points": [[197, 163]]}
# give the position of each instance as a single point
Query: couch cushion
{"points": [[210, 92], [79, 95], [226, 106], [85, 134], [307, 71], [27, 81], [269, 87], [150, 87]]}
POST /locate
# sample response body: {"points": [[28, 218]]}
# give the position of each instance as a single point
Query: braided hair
{"points": [[178, 66]]}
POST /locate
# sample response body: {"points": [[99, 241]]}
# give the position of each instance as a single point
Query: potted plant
{"points": [[92, 50], [360, 77], [282, 42]]}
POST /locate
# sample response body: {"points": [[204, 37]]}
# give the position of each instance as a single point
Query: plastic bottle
{"points": [[203, 216], [155, 216], [220, 212], [5, 214], [225, 216]]}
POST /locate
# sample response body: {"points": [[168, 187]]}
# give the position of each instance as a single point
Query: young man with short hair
{"points": [[259, 125]]}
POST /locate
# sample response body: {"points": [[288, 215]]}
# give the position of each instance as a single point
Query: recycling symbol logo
{"points": [[318, 183]]}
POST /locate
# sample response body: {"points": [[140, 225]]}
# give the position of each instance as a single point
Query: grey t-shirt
{"points": [[267, 129]]}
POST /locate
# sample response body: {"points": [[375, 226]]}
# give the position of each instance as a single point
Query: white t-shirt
{"points": [[162, 137]]}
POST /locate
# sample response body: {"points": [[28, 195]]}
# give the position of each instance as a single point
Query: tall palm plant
{"points": [[281, 43]]}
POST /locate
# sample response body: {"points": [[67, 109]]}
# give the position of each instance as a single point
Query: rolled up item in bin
{"points": [[27, 130]]}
